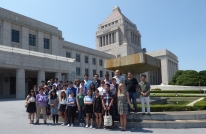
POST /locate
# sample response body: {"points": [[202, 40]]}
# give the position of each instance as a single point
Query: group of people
{"points": [[92, 99]]}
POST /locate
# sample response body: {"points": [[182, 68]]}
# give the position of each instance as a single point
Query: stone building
{"points": [[32, 51]]}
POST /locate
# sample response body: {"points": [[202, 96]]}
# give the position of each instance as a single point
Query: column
{"points": [[58, 75], [20, 83], [112, 38], [6, 33], [40, 42], [102, 41], [117, 36], [105, 38], [25, 38], [40, 76]]}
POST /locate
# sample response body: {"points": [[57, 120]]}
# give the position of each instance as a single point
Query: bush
{"points": [[178, 91], [156, 89]]}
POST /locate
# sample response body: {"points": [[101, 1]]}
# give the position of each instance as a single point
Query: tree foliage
{"points": [[189, 78]]}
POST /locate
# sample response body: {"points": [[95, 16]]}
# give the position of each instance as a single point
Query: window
{"points": [[112, 74], [107, 72], [86, 59], [100, 62], [77, 58], [94, 72], [32, 40], [15, 36], [87, 71], [101, 73], [116, 21], [68, 54], [93, 61], [78, 71], [102, 27], [46, 43], [112, 23]]}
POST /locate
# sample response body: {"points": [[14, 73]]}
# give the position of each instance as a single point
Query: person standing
{"points": [[31, 108], [84, 88], [71, 89], [71, 109], [56, 83], [101, 88], [54, 101], [107, 80], [145, 94], [42, 84], [41, 102], [62, 109], [123, 101], [114, 91], [35, 90], [107, 102], [92, 88], [131, 86], [86, 81], [96, 81], [88, 102], [80, 105], [98, 109], [118, 77]]}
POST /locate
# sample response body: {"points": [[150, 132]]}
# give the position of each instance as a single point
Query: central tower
{"points": [[117, 35]]}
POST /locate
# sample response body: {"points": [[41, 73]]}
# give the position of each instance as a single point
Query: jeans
{"points": [[133, 96], [81, 115], [55, 118], [115, 112]]}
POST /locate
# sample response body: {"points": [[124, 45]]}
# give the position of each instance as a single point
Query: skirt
{"points": [[31, 107], [89, 109], [62, 107], [98, 109]]}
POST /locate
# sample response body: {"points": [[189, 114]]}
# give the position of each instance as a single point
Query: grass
{"points": [[176, 95]]}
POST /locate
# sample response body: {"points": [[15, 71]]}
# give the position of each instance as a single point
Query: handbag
{"points": [[107, 119], [26, 104]]}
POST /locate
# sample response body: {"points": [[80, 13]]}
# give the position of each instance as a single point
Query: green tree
{"points": [[202, 77]]}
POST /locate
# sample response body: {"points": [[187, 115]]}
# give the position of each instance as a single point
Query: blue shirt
{"points": [[87, 84], [71, 100], [71, 89], [88, 98]]}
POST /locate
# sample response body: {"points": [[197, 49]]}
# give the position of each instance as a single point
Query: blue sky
{"points": [[176, 25]]}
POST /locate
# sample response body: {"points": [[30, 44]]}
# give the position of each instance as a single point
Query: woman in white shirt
{"points": [[62, 109], [101, 88], [31, 105]]}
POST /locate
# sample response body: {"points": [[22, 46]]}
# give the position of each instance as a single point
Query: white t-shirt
{"points": [[101, 90], [32, 99], [63, 101]]}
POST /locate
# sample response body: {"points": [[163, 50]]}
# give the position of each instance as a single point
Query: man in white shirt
{"points": [[118, 77], [101, 88]]}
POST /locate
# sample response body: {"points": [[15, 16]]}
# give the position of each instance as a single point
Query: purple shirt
{"points": [[42, 100]]}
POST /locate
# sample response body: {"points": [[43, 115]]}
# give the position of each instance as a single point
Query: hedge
{"points": [[173, 95], [177, 91]]}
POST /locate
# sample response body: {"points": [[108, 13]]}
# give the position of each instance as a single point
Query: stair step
{"points": [[166, 124]]}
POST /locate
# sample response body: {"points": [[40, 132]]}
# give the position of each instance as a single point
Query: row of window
{"points": [[86, 59], [78, 72], [134, 39], [107, 39], [107, 25], [15, 37]]}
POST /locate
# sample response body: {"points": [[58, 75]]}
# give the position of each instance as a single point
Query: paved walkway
{"points": [[192, 103], [14, 121]]}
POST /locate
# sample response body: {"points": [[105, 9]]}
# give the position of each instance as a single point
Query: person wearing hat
{"points": [[46, 90], [107, 80]]}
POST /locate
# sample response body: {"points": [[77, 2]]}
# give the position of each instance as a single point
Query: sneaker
{"points": [[72, 125], [63, 124], [86, 126], [68, 125], [90, 127], [136, 113], [149, 114]]}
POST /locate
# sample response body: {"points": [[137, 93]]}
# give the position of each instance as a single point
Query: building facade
{"points": [[32, 51]]}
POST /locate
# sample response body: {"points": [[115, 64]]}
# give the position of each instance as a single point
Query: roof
{"points": [[116, 14]]}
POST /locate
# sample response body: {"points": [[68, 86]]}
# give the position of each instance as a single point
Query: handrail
{"points": [[34, 53]]}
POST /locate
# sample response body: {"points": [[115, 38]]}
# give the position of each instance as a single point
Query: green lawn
{"points": [[176, 95]]}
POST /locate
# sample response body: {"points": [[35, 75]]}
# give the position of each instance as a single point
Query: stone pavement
{"points": [[14, 120]]}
